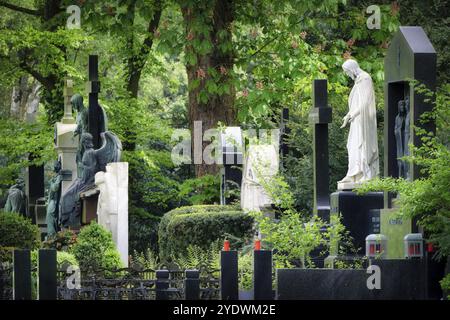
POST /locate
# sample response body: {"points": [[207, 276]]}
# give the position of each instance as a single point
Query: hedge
{"points": [[199, 226], [18, 232]]}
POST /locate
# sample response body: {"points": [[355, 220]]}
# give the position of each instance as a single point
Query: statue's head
{"points": [[20, 184], [351, 68], [87, 140], [77, 102], [401, 107]]}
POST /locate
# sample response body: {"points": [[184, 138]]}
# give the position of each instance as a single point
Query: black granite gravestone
{"points": [[95, 118], [356, 213], [262, 274], [320, 116], [47, 274], [192, 285], [229, 288], [22, 274], [410, 56]]}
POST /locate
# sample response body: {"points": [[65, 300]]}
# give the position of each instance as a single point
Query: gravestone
{"points": [[96, 117], [410, 56], [231, 172], [319, 117], [112, 207]]}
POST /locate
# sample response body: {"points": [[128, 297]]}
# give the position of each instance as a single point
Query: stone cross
{"points": [[93, 88], [68, 93], [319, 117]]}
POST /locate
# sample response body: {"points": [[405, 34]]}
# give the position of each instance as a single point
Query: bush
{"points": [[18, 232], [143, 233], [200, 226], [95, 249]]}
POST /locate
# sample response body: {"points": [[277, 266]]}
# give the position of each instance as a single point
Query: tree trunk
{"points": [[218, 107]]}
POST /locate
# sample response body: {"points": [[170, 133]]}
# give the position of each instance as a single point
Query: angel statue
{"points": [[93, 161], [82, 125]]}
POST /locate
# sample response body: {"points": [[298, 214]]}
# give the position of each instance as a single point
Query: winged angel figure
{"points": [[92, 162]]}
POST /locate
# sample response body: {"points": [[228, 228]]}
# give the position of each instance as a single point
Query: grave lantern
{"points": [[413, 245], [231, 145], [376, 246]]}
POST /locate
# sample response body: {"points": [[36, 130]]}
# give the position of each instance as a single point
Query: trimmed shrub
{"points": [[18, 232], [200, 226], [95, 249]]}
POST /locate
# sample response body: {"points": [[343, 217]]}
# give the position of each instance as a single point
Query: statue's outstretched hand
{"points": [[346, 119]]}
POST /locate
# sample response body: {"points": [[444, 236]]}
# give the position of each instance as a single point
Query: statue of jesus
{"points": [[362, 143]]}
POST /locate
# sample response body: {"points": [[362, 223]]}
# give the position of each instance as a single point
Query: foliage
{"points": [[202, 190], [61, 241], [245, 271], [143, 235], [144, 260], [445, 285], [95, 249], [196, 257], [294, 235], [18, 232], [19, 139], [199, 226]]}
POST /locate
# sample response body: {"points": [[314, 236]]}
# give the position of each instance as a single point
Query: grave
{"points": [[410, 56]]}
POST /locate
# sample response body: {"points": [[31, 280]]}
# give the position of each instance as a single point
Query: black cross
{"points": [[95, 112], [319, 117]]}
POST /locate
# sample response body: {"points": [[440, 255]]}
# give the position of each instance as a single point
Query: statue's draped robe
{"points": [[69, 211], [362, 143]]}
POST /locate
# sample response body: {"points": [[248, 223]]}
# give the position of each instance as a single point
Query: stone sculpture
{"points": [[92, 162], [362, 143], [16, 201], [261, 164], [54, 194]]}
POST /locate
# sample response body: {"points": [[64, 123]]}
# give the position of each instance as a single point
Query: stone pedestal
{"points": [[356, 213], [112, 208], [66, 146]]}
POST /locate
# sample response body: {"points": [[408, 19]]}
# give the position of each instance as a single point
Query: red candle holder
{"points": [[226, 245], [257, 244]]}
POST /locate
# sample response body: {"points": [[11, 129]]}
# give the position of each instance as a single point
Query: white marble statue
{"points": [[362, 143], [112, 207], [260, 163]]}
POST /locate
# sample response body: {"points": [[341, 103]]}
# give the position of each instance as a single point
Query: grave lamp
{"points": [[413, 245], [376, 246]]}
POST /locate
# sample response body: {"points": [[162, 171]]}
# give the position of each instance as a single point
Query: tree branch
{"points": [[32, 12]]}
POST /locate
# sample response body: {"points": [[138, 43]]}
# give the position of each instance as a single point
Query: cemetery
{"points": [[224, 150]]}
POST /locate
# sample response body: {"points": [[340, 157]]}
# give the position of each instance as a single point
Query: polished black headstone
{"points": [[162, 284], [22, 275], [192, 285], [229, 285], [319, 117], [262, 274], [47, 271], [410, 56], [355, 211], [95, 114]]}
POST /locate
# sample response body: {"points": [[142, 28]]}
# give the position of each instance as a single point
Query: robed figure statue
{"points": [[362, 143]]}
